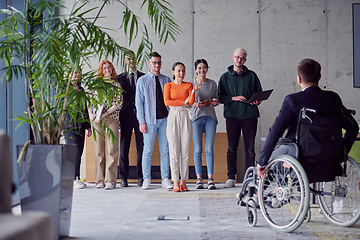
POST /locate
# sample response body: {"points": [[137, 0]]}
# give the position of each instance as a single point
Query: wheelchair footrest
{"points": [[241, 203]]}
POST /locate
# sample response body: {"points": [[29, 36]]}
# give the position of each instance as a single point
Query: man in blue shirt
{"points": [[152, 116]]}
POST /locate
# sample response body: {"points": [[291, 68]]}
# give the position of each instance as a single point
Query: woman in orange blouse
{"points": [[179, 95]]}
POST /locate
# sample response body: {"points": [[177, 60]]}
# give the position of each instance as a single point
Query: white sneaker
{"points": [[229, 183], [79, 184], [100, 185], [146, 184], [166, 183], [256, 200], [246, 199], [109, 186]]}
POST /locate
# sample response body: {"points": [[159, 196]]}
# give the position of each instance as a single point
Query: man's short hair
{"points": [[240, 50], [309, 70], [155, 54], [129, 53]]}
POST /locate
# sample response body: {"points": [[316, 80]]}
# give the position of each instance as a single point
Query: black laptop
{"points": [[260, 96]]}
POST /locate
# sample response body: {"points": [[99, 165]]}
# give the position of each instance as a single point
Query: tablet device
{"points": [[260, 96], [207, 102]]}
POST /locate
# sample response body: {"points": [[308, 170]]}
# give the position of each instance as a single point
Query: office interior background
{"points": [[277, 34]]}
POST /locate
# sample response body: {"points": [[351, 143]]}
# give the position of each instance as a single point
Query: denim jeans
{"points": [[149, 140], [208, 125], [234, 127]]}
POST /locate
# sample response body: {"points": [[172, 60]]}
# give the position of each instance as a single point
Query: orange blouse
{"points": [[175, 95]]}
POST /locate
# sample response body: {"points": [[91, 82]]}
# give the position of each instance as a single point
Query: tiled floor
{"points": [[132, 213]]}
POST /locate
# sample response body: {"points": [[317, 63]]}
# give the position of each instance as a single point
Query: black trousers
{"points": [[234, 128], [125, 140], [77, 136]]}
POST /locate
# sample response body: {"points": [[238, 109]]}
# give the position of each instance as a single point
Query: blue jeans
{"points": [[208, 125], [149, 140]]}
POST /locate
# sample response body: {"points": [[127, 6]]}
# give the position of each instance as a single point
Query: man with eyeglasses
{"points": [[236, 86], [152, 116]]}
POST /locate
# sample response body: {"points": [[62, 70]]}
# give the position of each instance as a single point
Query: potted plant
{"points": [[43, 47]]}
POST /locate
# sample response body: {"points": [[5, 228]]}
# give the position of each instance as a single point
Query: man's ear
{"points": [[299, 79]]}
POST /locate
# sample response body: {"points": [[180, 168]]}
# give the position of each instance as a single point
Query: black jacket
{"points": [[128, 110], [312, 97]]}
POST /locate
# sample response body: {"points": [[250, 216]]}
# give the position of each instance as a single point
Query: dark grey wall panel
{"points": [[356, 43]]}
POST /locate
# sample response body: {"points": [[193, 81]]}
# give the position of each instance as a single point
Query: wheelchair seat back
{"points": [[319, 138]]}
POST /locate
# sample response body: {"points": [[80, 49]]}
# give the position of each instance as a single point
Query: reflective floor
{"points": [[133, 213]]}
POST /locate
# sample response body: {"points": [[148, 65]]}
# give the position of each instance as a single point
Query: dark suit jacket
{"points": [[128, 110], [312, 97]]}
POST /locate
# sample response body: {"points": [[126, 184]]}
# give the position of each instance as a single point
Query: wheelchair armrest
{"points": [[285, 141], [350, 111], [281, 140]]}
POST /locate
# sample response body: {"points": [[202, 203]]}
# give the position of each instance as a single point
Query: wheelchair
{"points": [[284, 194]]}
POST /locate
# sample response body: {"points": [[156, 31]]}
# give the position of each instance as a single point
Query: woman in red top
{"points": [[179, 95]]}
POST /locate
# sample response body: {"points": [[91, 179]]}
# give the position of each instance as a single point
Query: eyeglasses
{"points": [[158, 63], [241, 58]]}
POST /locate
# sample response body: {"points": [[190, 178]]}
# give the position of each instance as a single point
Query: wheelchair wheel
{"points": [[342, 205], [308, 216], [252, 217], [284, 194]]}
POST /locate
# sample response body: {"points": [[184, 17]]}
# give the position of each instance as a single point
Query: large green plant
{"points": [[43, 47]]}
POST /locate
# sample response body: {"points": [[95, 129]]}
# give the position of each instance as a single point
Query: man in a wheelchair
{"points": [[313, 151], [314, 120]]}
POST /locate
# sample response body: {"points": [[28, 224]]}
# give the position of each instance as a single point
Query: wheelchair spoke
{"points": [[283, 198], [340, 199]]}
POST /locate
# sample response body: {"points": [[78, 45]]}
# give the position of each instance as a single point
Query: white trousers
{"points": [[179, 135]]}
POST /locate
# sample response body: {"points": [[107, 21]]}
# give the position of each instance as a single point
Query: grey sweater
{"points": [[208, 91]]}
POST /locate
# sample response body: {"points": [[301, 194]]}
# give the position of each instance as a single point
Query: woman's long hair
{"points": [[100, 70]]}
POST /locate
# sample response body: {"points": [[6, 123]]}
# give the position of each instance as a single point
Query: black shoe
{"points": [[199, 184], [140, 182], [124, 183], [211, 184]]}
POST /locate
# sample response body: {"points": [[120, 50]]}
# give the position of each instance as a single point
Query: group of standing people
{"points": [[176, 112], [163, 109]]}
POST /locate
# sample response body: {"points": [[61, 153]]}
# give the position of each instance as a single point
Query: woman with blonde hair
{"points": [[106, 166]]}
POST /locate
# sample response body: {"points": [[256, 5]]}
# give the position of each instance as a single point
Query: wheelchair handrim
{"points": [[304, 203]]}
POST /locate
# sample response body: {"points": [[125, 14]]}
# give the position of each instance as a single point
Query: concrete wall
{"points": [[276, 33]]}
